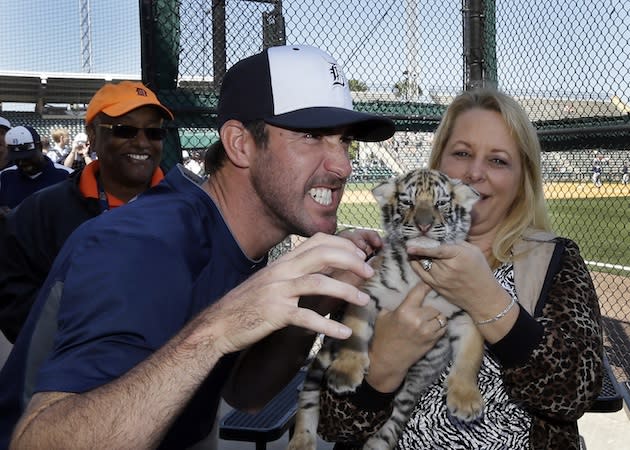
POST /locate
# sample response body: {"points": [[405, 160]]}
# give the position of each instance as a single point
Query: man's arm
{"points": [[266, 367], [133, 411], [137, 409]]}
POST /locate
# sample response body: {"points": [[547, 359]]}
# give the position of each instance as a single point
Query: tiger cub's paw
{"points": [[464, 401], [346, 374], [377, 442], [303, 440]]}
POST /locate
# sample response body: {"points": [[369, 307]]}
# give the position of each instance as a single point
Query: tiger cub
{"points": [[425, 208]]}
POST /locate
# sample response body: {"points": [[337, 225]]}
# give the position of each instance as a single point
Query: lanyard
{"points": [[102, 195]]}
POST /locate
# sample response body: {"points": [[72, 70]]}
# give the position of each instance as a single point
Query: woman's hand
{"points": [[458, 272], [461, 274], [402, 337]]}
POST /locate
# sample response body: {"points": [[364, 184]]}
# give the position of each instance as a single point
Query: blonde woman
{"points": [[528, 290]]}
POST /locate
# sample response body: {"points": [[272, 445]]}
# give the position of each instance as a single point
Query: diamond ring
{"points": [[426, 264], [440, 321]]}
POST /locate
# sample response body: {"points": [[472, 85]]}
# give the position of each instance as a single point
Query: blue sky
{"points": [[576, 47], [44, 35]]}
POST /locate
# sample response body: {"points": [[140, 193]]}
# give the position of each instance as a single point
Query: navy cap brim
{"points": [[361, 126]]}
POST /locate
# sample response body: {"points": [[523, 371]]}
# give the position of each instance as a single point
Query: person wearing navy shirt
{"points": [[154, 311], [34, 232], [32, 171]]}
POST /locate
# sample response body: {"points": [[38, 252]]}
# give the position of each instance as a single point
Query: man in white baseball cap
{"points": [[296, 87], [171, 296], [4, 127], [32, 170]]}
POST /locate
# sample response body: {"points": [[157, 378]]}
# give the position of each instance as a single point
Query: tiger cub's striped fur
{"points": [[426, 208]]}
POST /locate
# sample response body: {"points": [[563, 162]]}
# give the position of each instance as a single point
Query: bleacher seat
{"points": [[43, 125]]}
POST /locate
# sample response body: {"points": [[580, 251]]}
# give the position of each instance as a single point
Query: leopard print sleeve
{"points": [[352, 419], [563, 374]]}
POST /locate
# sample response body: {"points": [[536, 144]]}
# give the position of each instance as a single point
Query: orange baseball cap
{"points": [[118, 99]]}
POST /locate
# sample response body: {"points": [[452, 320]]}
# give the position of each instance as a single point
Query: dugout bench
{"points": [[278, 416], [270, 423]]}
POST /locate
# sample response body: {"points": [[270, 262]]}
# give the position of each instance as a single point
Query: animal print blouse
{"points": [[532, 403]]}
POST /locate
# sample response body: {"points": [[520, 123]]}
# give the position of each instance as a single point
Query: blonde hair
{"points": [[529, 209], [57, 133]]}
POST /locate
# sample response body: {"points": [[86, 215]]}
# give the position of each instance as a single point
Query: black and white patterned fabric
{"points": [[503, 426]]}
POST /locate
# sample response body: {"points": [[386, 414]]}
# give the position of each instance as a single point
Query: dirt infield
{"points": [[552, 190], [585, 190]]}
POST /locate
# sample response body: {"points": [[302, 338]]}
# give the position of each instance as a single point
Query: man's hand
{"points": [[268, 301], [367, 240], [83, 149]]}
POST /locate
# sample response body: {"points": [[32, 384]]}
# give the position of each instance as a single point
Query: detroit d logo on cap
{"points": [[338, 78]]}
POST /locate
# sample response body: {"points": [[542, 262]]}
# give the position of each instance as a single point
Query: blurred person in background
{"points": [[38, 228], [45, 145], [32, 170], [79, 156], [192, 162], [59, 150], [4, 157]]}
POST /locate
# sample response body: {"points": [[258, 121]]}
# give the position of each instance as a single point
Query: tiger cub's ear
{"points": [[385, 192], [465, 195]]}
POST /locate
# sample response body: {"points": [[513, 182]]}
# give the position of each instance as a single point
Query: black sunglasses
{"points": [[130, 132]]}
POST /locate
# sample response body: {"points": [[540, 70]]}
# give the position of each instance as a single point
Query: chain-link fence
{"points": [[565, 61]]}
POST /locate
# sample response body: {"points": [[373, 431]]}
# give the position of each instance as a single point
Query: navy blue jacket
{"points": [[124, 284], [15, 185], [30, 238]]}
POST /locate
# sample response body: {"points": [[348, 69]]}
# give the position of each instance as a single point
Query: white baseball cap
{"points": [[296, 87], [4, 123], [80, 137], [22, 142]]}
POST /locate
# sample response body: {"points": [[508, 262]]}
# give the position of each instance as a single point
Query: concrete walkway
{"points": [[606, 431], [599, 431]]}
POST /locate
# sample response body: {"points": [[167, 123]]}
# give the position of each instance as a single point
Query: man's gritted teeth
{"points": [[323, 196]]}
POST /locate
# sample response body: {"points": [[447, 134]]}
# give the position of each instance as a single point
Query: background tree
{"points": [[407, 89], [353, 150], [357, 85]]}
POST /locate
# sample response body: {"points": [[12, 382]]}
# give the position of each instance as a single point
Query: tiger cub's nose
{"points": [[424, 227]]}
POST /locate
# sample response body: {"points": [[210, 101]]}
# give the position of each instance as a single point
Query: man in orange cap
{"points": [[124, 125]]}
